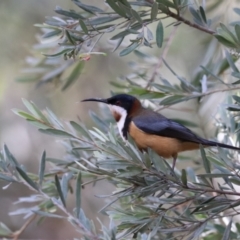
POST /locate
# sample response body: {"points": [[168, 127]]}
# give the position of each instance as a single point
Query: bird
{"points": [[150, 129]]}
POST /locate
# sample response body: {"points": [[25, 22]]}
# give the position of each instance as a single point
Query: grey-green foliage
{"points": [[72, 37], [150, 200]]}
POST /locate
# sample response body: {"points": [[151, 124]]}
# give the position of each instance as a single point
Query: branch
{"points": [[17, 233], [187, 22]]}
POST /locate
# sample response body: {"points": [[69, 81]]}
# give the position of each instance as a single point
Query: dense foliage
{"points": [[150, 200]]}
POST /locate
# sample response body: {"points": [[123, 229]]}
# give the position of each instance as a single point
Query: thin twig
{"points": [[185, 21], [163, 55], [202, 95], [17, 233]]}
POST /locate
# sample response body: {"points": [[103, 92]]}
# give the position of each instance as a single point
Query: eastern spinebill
{"points": [[150, 129]]}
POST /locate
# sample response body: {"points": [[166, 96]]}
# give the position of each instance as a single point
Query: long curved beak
{"points": [[95, 100]]}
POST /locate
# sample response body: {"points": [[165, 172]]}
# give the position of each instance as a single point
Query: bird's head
{"points": [[121, 105]]}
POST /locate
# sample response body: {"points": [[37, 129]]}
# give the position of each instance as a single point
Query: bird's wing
{"points": [[161, 126]]}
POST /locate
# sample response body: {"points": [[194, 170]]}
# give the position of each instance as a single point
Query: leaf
{"points": [[27, 178], [136, 15], [225, 41], [24, 115], [184, 177], [123, 34], [56, 54], [71, 13], [226, 235], [159, 34], [5, 231], [236, 98], [237, 31], [88, 8], [74, 75], [83, 26], [56, 132], [52, 33], [202, 12], [129, 49], [149, 35], [34, 110], [102, 20], [58, 186], [206, 162], [7, 178], [78, 194], [231, 62], [154, 11], [80, 129], [116, 8], [196, 17], [9, 156], [46, 214], [69, 37], [42, 168]]}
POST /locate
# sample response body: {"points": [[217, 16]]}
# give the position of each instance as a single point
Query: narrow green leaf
{"points": [[42, 168], [7, 178], [102, 20], [236, 98], [74, 75], [118, 44], [83, 26], [47, 214], [56, 132], [78, 194], [58, 186], [5, 231], [228, 32], [8, 156], [184, 177], [237, 10], [136, 15], [34, 110], [227, 232], [57, 54], [215, 175], [80, 129], [159, 34], [154, 11], [116, 8], [71, 13], [231, 62], [129, 49], [225, 41], [123, 34], [203, 14], [24, 115], [206, 162], [196, 16], [237, 31], [27, 178], [88, 8], [52, 33], [69, 37]]}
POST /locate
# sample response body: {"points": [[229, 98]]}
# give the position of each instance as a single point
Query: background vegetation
{"points": [[181, 53]]}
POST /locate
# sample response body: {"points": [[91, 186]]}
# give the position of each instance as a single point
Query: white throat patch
{"points": [[116, 110]]}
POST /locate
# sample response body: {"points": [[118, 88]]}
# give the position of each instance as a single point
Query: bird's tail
{"points": [[223, 145]]}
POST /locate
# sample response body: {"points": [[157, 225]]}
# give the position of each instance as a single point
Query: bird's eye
{"points": [[118, 103]]}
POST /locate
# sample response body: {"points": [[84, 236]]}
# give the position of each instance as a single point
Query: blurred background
{"points": [[17, 36]]}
